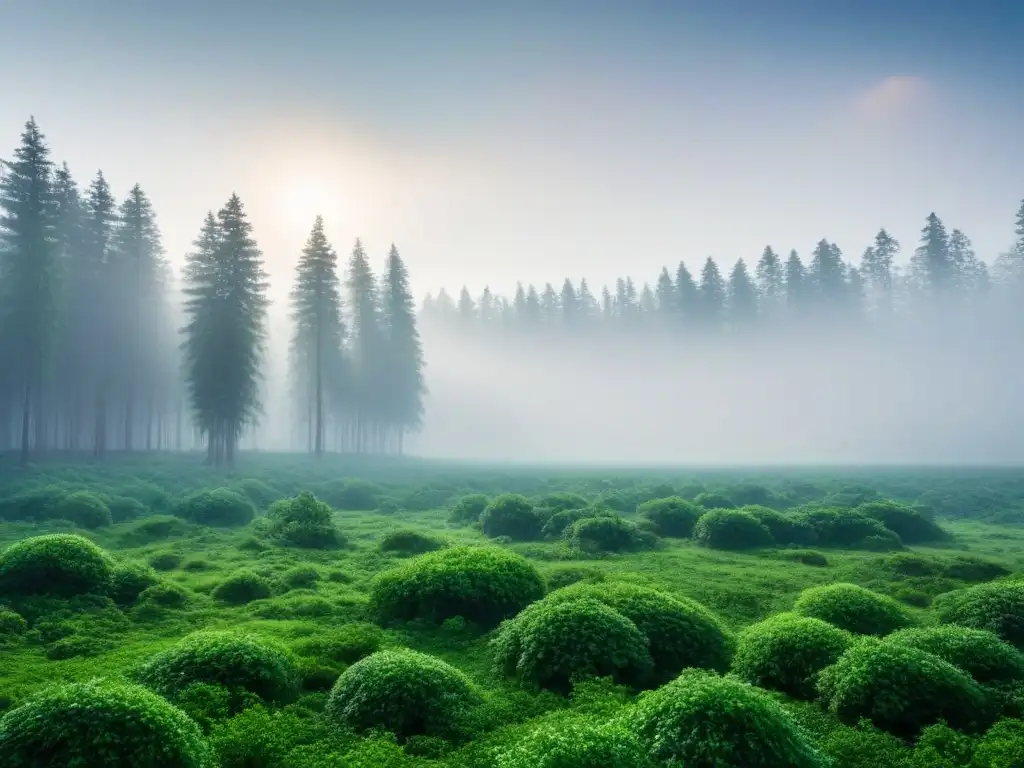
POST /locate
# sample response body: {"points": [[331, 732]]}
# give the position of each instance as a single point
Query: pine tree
{"points": [[487, 307], [876, 269], [28, 269], [587, 303], [319, 328], [969, 273], [712, 294], [771, 283], [444, 305], [665, 295], [796, 284], [403, 368], [533, 313], [466, 308], [827, 275], [687, 296], [366, 346], [519, 304], [648, 301], [569, 303], [933, 268], [549, 306], [742, 297]]}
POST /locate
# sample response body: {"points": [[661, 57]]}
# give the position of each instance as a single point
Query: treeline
{"points": [[779, 291], [103, 348]]}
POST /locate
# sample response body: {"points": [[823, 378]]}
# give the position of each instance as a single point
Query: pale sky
{"points": [[535, 140]]}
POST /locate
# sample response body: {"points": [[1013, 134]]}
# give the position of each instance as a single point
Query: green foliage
{"points": [[467, 510], [301, 576], [303, 522], [234, 660], [408, 542], [977, 652], [904, 521], [12, 624], [680, 632], [864, 746], [258, 492], [101, 723], [672, 516], [346, 644], [901, 689], [563, 577], [259, 738], [54, 564], [703, 719], [128, 580], [405, 692], [155, 528], [552, 643], [723, 528], [84, 509], [847, 529], [853, 608], [786, 652], [511, 515], [712, 500], [1002, 746], [556, 525], [593, 535], [483, 585], [575, 742], [242, 586], [787, 530], [997, 607], [166, 595], [165, 561], [356, 494], [35, 504], [221, 507], [562, 501], [124, 508]]}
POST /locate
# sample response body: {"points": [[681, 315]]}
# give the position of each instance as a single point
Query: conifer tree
{"points": [[587, 303], [796, 283], [444, 305], [687, 296], [487, 307], [28, 269], [827, 274], [876, 269], [969, 273], [319, 329], [533, 309], [742, 296], [771, 282], [665, 295], [933, 268], [466, 307], [712, 294], [519, 304], [569, 303], [549, 306], [403, 368], [367, 344]]}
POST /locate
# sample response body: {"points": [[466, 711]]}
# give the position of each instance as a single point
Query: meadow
{"points": [[356, 611]]}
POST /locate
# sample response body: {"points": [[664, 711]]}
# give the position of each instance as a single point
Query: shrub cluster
{"points": [[468, 509], [59, 564], [483, 585], [405, 692], [713, 500], [84, 509], [910, 525], [594, 535], [130, 579], [847, 529], [672, 517], [723, 528], [853, 608], [219, 507], [12, 624], [997, 607], [786, 652], [511, 515], [556, 525], [242, 586], [346, 644], [575, 742], [977, 652], [787, 530], [303, 522], [703, 719], [552, 643], [408, 542], [239, 662], [101, 723]]}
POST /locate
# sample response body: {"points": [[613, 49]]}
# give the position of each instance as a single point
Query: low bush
{"points": [[997, 607], [594, 535], [511, 515], [672, 517], [242, 586], [128, 580], [303, 522], [911, 526], [575, 742], [847, 529], [552, 643], [408, 542], [59, 564], [84, 509], [219, 507], [805, 556], [786, 530], [101, 723], [977, 652], [680, 632], [301, 577], [388, 507], [713, 500], [703, 719], [563, 577], [723, 528], [346, 644], [12, 624], [154, 528], [902, 689], [258, 492], [237, 661], [786, 652], [561, 501], [1002, 746], [483, 585], [407, 693], [35, 504], [165, 561], [853, 608], [166, 594], [468, 509], [125, 508], [558, 523]]}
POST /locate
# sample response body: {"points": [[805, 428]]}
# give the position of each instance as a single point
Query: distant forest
{"points": [[104, 348]]}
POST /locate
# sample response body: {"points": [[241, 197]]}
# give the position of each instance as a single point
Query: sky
{"points": [[496, 142]]}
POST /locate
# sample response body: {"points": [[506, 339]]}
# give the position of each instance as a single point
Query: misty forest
{"points": [[734, 533]]}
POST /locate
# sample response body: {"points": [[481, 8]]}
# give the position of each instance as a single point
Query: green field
{"points": [[539, 690]]}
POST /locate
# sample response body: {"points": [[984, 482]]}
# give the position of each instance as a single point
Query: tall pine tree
{"points": [[404, 363]]}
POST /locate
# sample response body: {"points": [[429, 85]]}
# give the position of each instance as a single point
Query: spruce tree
{"points": [[319, 331], [712, 295], [550, 308], [28, 270], [519, 304], [687, 296], [367, 347], [796, 284], [403, 360], [931, 262], [587, 303], [876, 269], [827, 275], [569, 303], [742, 297], [771, 282], [466, 308], [533, 309], [969, 273], [665, 295]]}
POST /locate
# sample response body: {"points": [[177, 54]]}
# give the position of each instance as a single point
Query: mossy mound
{"points": [[997, 607], [853, 608], [511, 515], [303, 521], [219, 507], [575, 742], [672, 517], [60, 564], [731, 529], [979, 653]]}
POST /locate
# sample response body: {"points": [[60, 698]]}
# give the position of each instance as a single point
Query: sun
{"points": [[304, 199]]}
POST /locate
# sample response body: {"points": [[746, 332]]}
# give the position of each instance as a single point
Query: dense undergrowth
{"points": [[396, 613]]}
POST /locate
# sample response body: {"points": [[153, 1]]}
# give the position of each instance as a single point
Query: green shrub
{"points": [[151, 496], [575, 742], [713, 500], [551, 644], [124, 508], [84, 509], [864, 746], [751, 494], [388, 507], [242, 586], [165, 561], [905, 522], [303, 522], [128, 580], [997, 607], [513, 516], [703, 719], [468, 509], [672, 517], [974, 569], [257, 491], [154, 528], [219, 507], [301, 576], [977, 652], [901, 689], [258, 738], [36, 504], [805, 556], [731, 529], [558, 523], [483, 585], [1002, 746], [405, 692], [166, 595], [408, 542], [593, 535], [847, 529], [101, 723], [853, 608], [562, 500], [12, 624], [786, 652], [76, 646], [346, 644], [61, 564], [786, 530], [239, 662], [563, 577], [680, 632]]}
